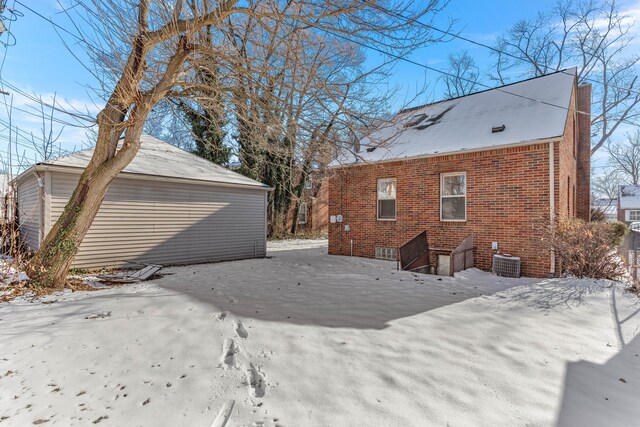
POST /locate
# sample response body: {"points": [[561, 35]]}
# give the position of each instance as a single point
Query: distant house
{"points": [[497, 165], [167, 207], [629, 203], [313, 215], [608, 206]]}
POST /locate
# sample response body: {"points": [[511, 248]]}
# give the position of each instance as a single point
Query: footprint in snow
{"points": [[256, 381], [229, 350], [240, 330]]}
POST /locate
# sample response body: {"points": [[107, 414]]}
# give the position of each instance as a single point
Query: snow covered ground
{"points": [[306, 339]]}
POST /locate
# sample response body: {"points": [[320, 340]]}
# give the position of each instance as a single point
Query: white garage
{"points": [[167, 207]]}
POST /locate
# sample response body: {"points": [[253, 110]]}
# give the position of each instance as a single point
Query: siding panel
{"points": [[30, 211], [167, 223]]}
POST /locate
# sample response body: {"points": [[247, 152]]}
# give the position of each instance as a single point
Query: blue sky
{"points": [[39, 63]]}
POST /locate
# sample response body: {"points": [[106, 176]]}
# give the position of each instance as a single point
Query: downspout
{"points": [[552, 197], [41, 202]]}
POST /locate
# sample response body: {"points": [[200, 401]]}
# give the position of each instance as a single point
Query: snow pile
{"points": [[8, 273], [630, 197], [307, 339]]}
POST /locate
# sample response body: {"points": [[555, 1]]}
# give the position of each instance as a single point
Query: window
{"points": [[634, 215], [308, 185], [302, 213], [387, 199], [386, 253], [453, 196]]}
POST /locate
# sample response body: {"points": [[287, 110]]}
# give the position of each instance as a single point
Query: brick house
{"points": [[629, 204], [313, 215], [498, 164]]}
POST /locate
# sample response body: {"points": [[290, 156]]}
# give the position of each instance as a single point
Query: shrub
{"points": [[587, 249], [598, 215]]}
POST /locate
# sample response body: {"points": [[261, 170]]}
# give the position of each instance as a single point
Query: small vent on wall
{"points": [[386, 253], [506, 265]]}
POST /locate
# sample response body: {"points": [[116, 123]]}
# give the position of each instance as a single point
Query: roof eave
{"points": [[77, 170], [449, 153]]}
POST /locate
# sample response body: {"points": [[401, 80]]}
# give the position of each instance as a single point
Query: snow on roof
{"points": [[159, 158], [530, 110], [629, 197]]}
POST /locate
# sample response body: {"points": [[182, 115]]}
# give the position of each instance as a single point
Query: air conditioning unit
{"points": [[506, 265]]}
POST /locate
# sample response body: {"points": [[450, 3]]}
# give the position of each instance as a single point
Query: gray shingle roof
{"points": [[158, 158]]}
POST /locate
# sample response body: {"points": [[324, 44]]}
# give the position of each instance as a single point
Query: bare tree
{"points": [[590, 34], [146, 50], [606, 185], [624, 158], [462, 76]]}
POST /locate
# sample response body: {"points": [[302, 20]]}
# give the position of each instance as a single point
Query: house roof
{"points": [[531, 110], [629, 197], [161, 159]]}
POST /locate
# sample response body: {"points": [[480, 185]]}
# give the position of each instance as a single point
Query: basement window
{"points": [[386, 253], [302, 213], [415, 120], [453, 196], [387, 199]]}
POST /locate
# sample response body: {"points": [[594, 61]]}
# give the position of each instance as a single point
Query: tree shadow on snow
{"points": [[607, 394], [306, 286]]}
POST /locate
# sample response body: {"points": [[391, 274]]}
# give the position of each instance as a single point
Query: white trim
{"points": [[395, 200], [442, 176], [47, 202], [628, 215], [302, 205], [145, 177]]}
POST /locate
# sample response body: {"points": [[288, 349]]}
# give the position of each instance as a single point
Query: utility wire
{"points": [[50, 21], [494, 49], [427, 67]]}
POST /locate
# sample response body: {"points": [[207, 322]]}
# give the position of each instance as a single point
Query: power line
{"points": [[45, 104], [51, 22], [484, 45], [419, 64]]}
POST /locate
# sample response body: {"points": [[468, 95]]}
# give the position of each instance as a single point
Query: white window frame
{"points": [[442, 196], [395, 204], [631, 214], [302, 208]]}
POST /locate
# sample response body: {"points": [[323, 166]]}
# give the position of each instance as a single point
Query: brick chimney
{"points": [[583, 174]]}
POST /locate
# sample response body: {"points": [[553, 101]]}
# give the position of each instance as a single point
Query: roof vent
{"points": [[370, 149], [497, 129], [415, 120]]}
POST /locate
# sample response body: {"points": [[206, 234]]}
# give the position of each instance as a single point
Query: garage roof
{"points": [[161, 159]]}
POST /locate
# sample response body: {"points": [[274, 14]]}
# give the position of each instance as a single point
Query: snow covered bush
{"points": [[588, 249]]}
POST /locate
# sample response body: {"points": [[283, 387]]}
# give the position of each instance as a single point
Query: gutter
{"points": [[449, 153]]}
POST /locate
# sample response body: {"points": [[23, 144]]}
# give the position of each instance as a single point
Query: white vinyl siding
{"points": [[30, 211], [167, 223]]}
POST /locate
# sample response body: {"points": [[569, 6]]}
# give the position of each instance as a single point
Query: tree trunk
{"points": [[51, 263]]}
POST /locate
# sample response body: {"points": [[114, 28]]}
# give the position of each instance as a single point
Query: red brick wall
{"points": [[507, 199], [583, 188], [566, 153]]}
